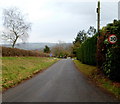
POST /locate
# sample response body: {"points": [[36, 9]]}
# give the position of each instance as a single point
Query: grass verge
{"points": [[99, 79], [17, 69]]}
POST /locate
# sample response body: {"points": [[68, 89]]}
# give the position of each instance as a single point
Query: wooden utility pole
{"points": [[98, 18], [119, 10], [98, 38]]}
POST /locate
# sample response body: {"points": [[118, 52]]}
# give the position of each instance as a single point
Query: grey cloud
{"points": [[76, 8], [109, 10], [68, 18]]}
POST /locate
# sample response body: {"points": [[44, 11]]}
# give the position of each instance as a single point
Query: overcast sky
{"points": [[54, 20]]}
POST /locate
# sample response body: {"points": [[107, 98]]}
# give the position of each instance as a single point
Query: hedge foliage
{"points": [[101, 49], [20, 52], [87, 51], [98, 50], [111, 66]]}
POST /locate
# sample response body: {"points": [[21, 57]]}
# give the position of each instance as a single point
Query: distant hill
{"points": [[31, 46]]}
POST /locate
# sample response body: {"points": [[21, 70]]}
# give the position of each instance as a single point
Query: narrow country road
{"points": [[62, 82]]}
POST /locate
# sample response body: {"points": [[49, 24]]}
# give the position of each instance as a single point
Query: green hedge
{"points": [[111, 67], [87, 51]]}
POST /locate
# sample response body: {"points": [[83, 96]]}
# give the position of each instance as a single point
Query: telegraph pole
{"points": [[119, 10], [98, 18], [98, 30]]}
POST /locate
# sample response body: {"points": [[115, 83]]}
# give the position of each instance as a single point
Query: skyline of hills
{"points": [[31, 46]]}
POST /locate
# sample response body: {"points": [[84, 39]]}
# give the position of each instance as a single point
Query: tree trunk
{"points": [[14, 42]]}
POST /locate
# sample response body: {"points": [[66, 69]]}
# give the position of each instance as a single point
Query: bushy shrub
{"points": [[101, 49], [111, 67]]}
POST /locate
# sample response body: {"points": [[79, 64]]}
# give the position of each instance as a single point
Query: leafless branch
{"points": [[17, 27]]}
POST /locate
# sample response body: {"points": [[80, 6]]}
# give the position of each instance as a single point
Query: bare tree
{"points": [[15, 26], [62, 49]]}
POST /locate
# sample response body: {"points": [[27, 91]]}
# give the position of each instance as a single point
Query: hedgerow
{"points": [[87, 51], [20, 52], [111, 66]]}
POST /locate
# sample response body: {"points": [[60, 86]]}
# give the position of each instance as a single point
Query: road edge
{"points": [[93, 82]]}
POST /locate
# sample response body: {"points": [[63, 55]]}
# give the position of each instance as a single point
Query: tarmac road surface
{"points": [[62, 82]]}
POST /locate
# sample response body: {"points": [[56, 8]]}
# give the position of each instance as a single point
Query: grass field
{"points": [[17, 69], [99, 78]]}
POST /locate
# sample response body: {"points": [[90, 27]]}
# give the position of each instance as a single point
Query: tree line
{"points": [[60, 50]]}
